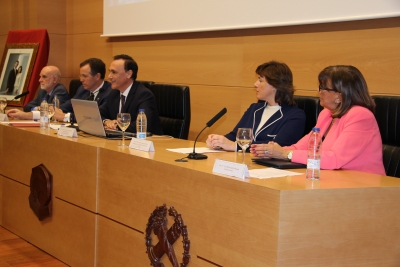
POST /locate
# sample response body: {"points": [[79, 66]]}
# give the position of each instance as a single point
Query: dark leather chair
{"points": [[391, 160], [73, 87], [173, 103], [146, 83], [312, 108], [387, 114]]}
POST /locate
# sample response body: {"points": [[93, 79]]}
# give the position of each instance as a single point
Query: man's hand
{"points": [[110, 124], [59, 115], [18, 114]]}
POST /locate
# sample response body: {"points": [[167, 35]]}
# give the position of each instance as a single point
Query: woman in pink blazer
{"points": [[351, 137]]}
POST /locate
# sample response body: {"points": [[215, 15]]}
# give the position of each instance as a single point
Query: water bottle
{"points": [[44, 118], [141, 125], [314, 155]]}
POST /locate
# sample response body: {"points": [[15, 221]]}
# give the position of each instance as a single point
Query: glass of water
{"points": [[3, 104], [123, 121], [244, 137]]}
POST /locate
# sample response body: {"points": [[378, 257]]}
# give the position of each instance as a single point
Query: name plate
{"points": [[231, 169], [67, 131], [3, 117], [142, 144]]}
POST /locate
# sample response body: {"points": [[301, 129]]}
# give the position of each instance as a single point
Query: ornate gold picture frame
{"points": [[16, 69]]}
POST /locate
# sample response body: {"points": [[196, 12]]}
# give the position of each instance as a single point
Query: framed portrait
{"points": [[16, 69]]}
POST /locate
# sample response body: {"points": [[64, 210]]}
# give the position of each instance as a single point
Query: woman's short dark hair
{"points": [[279, 76], [130, 64], [350, 83]]}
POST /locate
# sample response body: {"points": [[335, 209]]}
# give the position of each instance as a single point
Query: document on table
{"points": [[198, 150], [266, 173], [26, 123]]}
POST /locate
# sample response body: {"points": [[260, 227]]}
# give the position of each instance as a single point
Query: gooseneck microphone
{"points": [[195, 155], [21, 95]]}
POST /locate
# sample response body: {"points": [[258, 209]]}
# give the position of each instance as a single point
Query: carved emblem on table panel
{"points": [[158, 224], [41, 186]]}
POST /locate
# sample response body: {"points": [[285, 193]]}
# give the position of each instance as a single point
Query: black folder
{"points": [[279, 164]]}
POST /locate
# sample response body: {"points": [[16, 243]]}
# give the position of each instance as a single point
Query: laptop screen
{"points": [[88, 117], [89, 120]]}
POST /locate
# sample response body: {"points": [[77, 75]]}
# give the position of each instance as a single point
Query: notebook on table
{"points": [[278, 163], [87, 115]]}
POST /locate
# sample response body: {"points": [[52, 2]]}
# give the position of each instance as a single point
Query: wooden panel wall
{"points": [[218, 66]]}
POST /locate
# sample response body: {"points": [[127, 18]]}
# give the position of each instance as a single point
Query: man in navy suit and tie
{"points": [[129, 97], [92, 72]]}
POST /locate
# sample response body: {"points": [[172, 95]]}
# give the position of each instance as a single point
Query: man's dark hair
{"points": [[130, 64], [96, 66]]}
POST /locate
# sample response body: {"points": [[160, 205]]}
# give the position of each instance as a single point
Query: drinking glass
{"points": [[3, 104], [50, 111], [56, 103], [244, 137], [123, 121]]}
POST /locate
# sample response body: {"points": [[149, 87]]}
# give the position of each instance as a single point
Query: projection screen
{"points": [[143, 17]]}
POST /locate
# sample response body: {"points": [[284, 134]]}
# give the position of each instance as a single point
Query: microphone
{"points": [[21, 95], [195, 155]]}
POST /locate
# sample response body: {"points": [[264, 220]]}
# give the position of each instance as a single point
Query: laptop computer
{"points": [[87, 115], [279, 164]]}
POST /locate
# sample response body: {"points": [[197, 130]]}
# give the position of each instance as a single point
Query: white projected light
{"points": [[142, 17]]}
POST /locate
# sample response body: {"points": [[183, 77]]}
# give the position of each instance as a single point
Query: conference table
{"points": [[103, 196]]}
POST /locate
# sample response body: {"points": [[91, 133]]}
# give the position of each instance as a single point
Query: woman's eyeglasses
{"points": [[326, 89]]}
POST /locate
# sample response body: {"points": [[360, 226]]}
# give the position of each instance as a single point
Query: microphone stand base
{"points": [[197, 156]]}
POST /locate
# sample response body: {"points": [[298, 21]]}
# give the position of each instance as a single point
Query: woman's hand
{"points": [[219, 141], [270, 150]]}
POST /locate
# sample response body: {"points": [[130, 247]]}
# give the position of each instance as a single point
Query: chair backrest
{"points": [[387, 114], [312, 108], [391, 160], [147, 84], [173, 103], [73, 87]]}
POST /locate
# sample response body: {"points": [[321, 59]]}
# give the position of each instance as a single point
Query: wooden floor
{"points": [[15, 251]]}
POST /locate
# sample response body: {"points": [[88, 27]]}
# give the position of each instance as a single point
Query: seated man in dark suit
{"points": [[49, 88], [129, 97], [12, 76], [93, 88]]}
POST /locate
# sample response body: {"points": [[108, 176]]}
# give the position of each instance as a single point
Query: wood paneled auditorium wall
{"points": [[218, 66]]}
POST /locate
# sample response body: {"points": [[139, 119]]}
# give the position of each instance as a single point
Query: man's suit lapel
{"points": [[131, 95], [102, 92], [100, 95], [42, 94], [84, 94], [114, 108]]}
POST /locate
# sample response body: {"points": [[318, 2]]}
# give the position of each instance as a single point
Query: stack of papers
{"points": [[270, 173]]}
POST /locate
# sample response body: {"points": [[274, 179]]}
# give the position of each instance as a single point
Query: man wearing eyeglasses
{"points": [[94, 88]]}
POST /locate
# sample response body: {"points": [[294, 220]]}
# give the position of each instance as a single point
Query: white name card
{"points": [[3, 117], [231, 169], [142, 144], [67, 131]]}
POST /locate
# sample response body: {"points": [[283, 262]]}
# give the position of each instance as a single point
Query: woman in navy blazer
{"points": [[274, 117]]}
